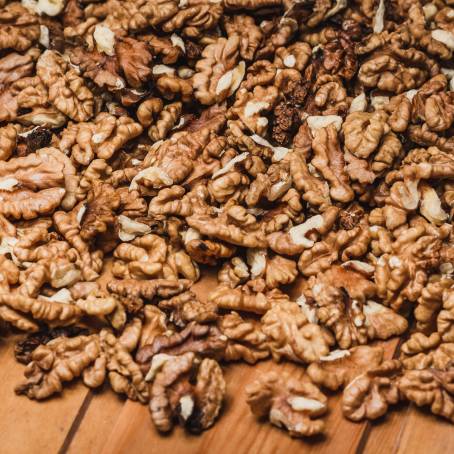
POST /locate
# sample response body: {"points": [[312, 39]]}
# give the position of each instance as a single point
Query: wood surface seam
{"points": [[76, 423]]}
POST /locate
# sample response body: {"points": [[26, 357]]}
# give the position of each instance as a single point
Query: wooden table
{"points": [[91, 422]]}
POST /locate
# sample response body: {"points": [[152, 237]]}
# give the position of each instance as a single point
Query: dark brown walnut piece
{"points": [[205, 340], [24, 348]]}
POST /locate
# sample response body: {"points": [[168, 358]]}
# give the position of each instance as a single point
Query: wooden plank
{"points": [[129, 428], [97, 423], [411, 430], [26, 426], [237, 430]]}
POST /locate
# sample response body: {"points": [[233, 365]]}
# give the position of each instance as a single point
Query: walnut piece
{"points": [[295, 405]]}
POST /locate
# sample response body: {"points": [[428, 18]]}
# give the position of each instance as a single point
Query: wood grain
{"points": [[28, 426]]}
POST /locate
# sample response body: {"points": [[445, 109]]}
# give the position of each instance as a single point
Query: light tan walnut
{"points": [[68, 225], [67, 91], [250, 105], [124, 374], [329, 161], [292, 404], [292, 336], [340, 367], [19, 29], [245, 299], [31, 186], [193, 17], [403, 274], [389, 73], [101, 138], [148, 289], [167, 118], [369, 395], [186, 307], [8, 141], [218, 72], [430, 387], [340, 296], [246, 340], [445, 319]]}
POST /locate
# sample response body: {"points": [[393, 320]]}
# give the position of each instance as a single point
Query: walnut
{"points": [[186, 388], [51, 312], [15, 66], [340, 295], [296, 239], [68, 225], [124, 374], [19, 29], [101, 68], [387, 72], [369, 395], [289, 403], [205, 340], [343, 245], [171, 87], [397, 275], [186, 307], [101, 138], [134, 59], [245, 299], [292, 336], [248, 107], [246, 340], [150, 256], [429, 387], [430, 302], [340, 367], [207, 251], [8, 140], [148, 111], [250, 34], [99, 216], [218, 72], [133, 288], [59, 361], [167, 118], [445, 320], [31, 186], [67, 91], [328, 160], [24, 348], [193, 17]]}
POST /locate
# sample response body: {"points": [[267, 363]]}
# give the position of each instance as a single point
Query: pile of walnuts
{"points": [[277, 141]]}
